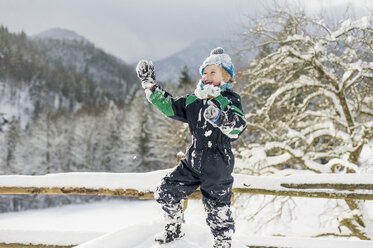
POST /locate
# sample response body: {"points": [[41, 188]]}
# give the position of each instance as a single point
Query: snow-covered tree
{"points": [[40, 149], [86, 142], [12, 139], [142, 128], [309, 93], [113, 132]]}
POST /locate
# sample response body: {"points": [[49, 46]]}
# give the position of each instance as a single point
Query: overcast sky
{"points": [[134, 29]]}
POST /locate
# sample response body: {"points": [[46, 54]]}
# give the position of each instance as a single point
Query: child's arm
{"points": [[162, 100], [226, 115]]}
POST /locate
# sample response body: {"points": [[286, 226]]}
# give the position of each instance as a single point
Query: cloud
{"points": [[133, 29], [128, 29]]}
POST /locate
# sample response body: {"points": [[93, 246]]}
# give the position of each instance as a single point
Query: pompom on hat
{"points": [[218, 57]]}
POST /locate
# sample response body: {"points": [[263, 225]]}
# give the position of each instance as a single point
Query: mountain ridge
{"points": [[192, 56], [167, 69], [60, 34]]}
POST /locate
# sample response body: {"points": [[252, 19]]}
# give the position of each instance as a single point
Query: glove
{"points": [[145, 72], [212, 113]]}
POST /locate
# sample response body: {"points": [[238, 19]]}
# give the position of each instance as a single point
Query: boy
{"points": [[215, 118]]}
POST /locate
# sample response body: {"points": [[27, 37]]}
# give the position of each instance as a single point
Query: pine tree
{"points": [[185, 80], [11, 141], [3, 150], [114, 150]]}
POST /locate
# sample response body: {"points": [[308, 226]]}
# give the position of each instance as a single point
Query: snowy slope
{"points": [[16, 104], [80, 223], [132, 224], [142, 235]]}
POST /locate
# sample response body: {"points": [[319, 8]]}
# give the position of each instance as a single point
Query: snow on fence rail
{"points": [[142, 185]]}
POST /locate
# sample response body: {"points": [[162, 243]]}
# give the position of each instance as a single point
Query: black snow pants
{"points": [[212, 173]]}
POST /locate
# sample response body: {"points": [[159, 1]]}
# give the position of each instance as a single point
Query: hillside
{"points": [[64, 73], [76, 53], [66, 105], [60, 34]]}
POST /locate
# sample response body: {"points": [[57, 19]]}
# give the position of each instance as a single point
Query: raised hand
{"points": [[145, 72]]}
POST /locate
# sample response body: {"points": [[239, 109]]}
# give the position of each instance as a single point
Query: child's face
{"points": [[213, 75]]}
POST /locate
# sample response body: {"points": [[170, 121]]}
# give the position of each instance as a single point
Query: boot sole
{"points": [[161, 242]]}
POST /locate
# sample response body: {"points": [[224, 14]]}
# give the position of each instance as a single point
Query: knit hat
{"points": [[218, 57]]}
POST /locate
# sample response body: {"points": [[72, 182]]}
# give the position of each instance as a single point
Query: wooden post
{"points": [[185, 205]]}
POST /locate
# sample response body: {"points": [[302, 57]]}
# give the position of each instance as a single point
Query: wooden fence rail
{"points": [[196, 195], [142, 185]]}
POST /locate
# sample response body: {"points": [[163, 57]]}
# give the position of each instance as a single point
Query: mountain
{"points": [[60, 34], [58, 69], [168, 69], [66, 106], [78, 54]]}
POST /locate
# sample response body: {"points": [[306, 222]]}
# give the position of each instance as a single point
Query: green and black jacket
{"points": [[190, 109], [207, 138]]}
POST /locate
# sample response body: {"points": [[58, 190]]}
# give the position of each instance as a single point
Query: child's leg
{"points": [[219, 216], [174, 188], [216, 188]]}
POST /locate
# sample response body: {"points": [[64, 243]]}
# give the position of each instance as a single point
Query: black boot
{"points": [[218, 243], [171, 232]]}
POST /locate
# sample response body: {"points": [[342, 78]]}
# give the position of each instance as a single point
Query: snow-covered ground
{"points": [[135, 220], [80, 222], [127, 223], [131, 224]]}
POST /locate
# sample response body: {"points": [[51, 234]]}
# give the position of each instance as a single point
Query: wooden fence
{"points": [[142, 185]]}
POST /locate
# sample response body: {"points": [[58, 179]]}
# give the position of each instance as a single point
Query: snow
{"points": [[306, 242], [133, 224], [304, 81], [128, 237], [274, 183], [80, 223], [46, 237], [147, 182], [116, 223], [347, 25], [16, 104], [141, 181], [206, 91]]}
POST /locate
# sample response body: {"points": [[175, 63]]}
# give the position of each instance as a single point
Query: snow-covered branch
{"points": [[364, 23], [303, 82]]}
